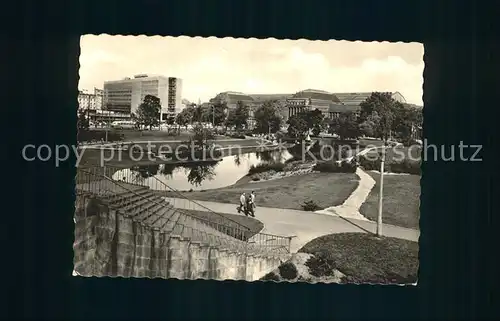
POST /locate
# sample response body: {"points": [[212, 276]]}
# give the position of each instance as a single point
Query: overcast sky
{"points": [[209, 66]]}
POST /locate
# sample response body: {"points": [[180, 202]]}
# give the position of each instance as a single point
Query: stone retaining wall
{"points": [[109, 244]]}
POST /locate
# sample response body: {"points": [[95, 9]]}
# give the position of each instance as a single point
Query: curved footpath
{"points": [[305, 226], [350, 207]]}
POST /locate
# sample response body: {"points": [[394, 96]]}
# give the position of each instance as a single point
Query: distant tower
{"points": [[199, 102]]}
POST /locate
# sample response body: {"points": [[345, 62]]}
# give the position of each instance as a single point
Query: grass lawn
{"points": [[364, 258], [325, 189], [230, 220], [401, 206]]}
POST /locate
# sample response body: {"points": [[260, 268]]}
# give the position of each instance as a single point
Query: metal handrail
{"points": [[241, 226], [207, 222], [204, 221], [116, 183], [195, 202]]}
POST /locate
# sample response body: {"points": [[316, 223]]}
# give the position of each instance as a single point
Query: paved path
{"points": [[306, 226], [350, 207]]}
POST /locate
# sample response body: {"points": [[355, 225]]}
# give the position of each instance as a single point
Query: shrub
{"points": [[369, 164], [248, 132], [409, 142], [406, 166], [221, 132], [373, 164], [348, 167], [310, 206], [280, 135], [341, 153], [334, 167], [264, 167]]}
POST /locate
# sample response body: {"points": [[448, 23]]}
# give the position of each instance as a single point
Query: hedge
{"points": [[237, 136], [334, 167], [264, 167], [406, 166]]}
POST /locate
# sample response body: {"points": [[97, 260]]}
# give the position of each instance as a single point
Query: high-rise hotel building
{"points": [[127, 94]]}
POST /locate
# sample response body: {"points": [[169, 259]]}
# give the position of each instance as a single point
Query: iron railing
{"points": [[102, 177], [277, 243], [128, 196], [162, 189]]}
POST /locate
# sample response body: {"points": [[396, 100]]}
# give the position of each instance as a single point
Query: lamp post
{"points": [[381, 191], [107, 125], [213, 116]]}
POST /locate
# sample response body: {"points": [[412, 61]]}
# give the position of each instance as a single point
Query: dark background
{"points": [[458, 244]]}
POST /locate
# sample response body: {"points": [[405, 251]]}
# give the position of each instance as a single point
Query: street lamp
{"points": [[380, 195], [107, 125]]}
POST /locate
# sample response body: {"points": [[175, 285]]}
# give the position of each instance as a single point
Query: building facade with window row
{"points": [[91, 101], [126, 95], [331, 105]]}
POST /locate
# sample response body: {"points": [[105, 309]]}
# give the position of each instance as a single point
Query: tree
{"points": [[385, 123], [200, 172], [238, 117], [314, 119], [167, 169], [83, 122], [145, 171], [202, 135], [136, 120], [185, 117], [376, 103], [406, 121], [346, 126], [280, 108], [197, 111], [170, 120], [268, 118], [217, 114], [371, 126], [148, 112], [297, 127], [385, 108], [367, 128]]}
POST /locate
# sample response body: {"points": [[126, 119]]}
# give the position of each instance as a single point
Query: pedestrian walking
{"points": [[251, 204], [243, 200]]}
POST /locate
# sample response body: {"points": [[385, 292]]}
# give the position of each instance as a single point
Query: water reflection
{"points": [[201, 175], [237, 160], [277, 156], [200, 172], [147, 171], [167, 169]]}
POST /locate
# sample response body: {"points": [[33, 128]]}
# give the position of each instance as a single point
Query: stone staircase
{"points": [[145, 206]]}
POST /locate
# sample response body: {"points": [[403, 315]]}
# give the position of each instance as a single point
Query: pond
{"points": [[200, 175]]}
